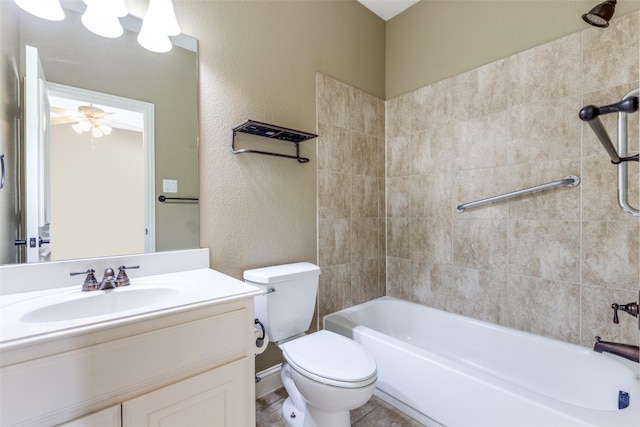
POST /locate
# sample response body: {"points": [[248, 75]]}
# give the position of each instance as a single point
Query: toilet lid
{"points": [[331, 356]]}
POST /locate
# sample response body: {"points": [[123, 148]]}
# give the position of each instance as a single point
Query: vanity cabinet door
{"points": [[218, 397], [109, 417]]}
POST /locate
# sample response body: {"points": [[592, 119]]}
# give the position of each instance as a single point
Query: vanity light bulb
{"points": [[100, 19], [119, 8], [46, 9], [167, 16], [113, 7], [154, 42], [159, 23], [152, 37]]}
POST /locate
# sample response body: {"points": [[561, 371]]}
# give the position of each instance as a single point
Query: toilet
{"points": [[326, 375]]}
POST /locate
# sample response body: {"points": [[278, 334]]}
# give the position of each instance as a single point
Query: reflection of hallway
{"points": [[98, 202]]}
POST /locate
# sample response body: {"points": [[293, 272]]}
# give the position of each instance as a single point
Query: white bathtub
{"points": [[442, 368]]}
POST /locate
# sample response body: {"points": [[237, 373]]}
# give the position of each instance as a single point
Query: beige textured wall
{"points": [[550, 263], [437, 39], [258, 60]]}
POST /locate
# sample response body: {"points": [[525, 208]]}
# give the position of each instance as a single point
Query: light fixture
{"points": [[97, 129], [158, 24], [600, 15], [81, 126], [91, 121], [101, 17], [45, 9]]}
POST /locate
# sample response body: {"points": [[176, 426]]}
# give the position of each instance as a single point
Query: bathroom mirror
{"points": [[73, 56]]}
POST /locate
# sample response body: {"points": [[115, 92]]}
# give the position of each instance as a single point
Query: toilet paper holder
{"points": [[260, 339]]}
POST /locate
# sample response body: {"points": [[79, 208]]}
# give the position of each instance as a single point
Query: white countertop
{"points": [[199, 288]]}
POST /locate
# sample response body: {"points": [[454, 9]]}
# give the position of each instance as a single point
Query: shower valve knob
{"points": [[631, 308]]}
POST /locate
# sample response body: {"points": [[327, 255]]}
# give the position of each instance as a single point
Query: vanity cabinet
{"points": [[188, 368], [214, 399]]}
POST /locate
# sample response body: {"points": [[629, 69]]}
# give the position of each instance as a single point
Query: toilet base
{"points": [[316, 418], [291, 416]]}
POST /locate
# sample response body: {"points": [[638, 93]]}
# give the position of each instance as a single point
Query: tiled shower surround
{"points": [[550, 263], [351, 190]]}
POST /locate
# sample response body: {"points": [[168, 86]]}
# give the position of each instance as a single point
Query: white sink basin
{"points": [[99, 303], [50, 314]]}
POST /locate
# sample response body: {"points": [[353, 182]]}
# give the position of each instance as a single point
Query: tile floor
{"points": [[374, 413]]}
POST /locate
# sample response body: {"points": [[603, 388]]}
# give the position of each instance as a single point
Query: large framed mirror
{"points": [[74, 58]]}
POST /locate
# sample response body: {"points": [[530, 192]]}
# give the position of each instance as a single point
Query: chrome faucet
{"points": [[628, 351], [108, 280]]}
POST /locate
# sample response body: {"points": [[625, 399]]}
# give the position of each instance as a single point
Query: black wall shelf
{"points": [[266, 130]]}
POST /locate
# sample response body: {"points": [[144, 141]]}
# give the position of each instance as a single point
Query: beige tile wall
{"points": [[550, 263], [351, 243]]}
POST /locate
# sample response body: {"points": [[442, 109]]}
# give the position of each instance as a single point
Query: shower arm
{"points": [[591, 113]]}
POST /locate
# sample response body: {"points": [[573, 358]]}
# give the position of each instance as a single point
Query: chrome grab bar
{"points": [[570, 181]]}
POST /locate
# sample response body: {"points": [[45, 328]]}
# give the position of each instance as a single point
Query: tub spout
{"points": [[628, 351]]}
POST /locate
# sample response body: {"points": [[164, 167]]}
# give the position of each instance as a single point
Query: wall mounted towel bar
{"points": [[165, 199], [570, 181], [274, 132], [619, 157]]}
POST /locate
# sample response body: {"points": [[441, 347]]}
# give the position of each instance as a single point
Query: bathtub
{"points": [[446, 369]]}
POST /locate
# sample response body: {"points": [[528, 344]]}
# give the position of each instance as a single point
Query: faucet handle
{"points": [[631, 308], [90, 282], [123, 279], [615, 313]]}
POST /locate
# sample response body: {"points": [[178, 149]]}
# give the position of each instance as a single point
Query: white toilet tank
{"points": [[286, 308]]}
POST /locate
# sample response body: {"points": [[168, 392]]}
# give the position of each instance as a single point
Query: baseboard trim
{"points": [[269, 381]]}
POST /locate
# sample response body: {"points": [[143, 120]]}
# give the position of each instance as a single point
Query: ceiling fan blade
{"points": [[98, 116], [63, 119], [60, 110]]}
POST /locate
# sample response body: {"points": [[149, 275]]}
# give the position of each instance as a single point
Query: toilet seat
{"points": [[331, 359]]}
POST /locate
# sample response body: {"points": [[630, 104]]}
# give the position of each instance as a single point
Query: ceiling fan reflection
{"points": [[86, 118]]}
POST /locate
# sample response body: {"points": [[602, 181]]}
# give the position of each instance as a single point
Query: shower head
{"points": [[600, 15]]}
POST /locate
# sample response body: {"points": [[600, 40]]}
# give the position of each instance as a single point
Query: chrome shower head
{"points": [[600, 15]]}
